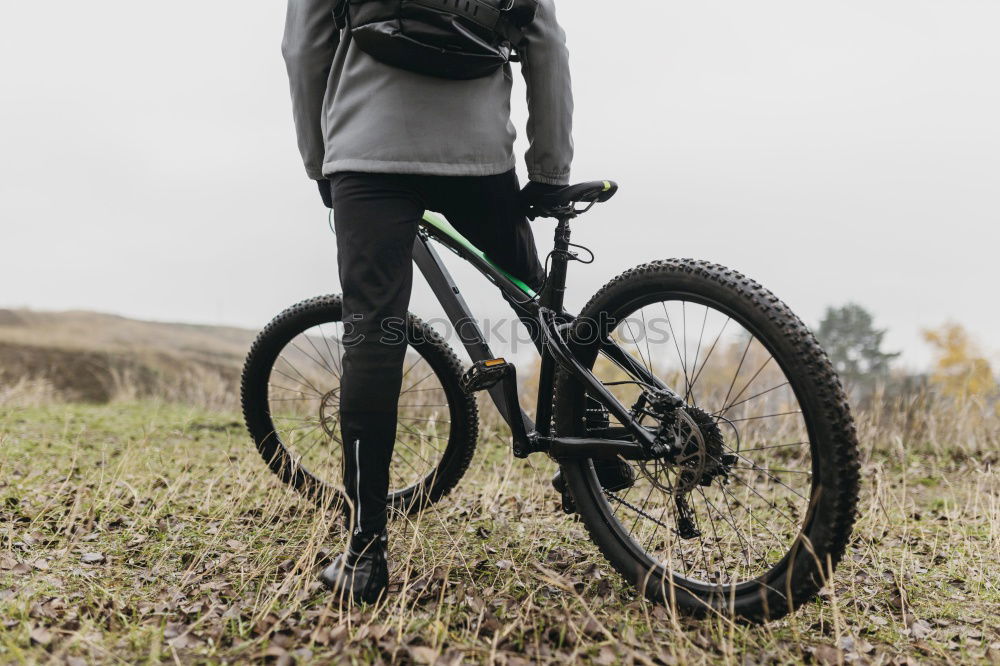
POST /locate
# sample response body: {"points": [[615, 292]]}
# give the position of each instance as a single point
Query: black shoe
{"points": [[614, 475], [362, 573]]}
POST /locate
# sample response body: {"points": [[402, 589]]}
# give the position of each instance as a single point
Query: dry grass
{"points": [[146, 532]]}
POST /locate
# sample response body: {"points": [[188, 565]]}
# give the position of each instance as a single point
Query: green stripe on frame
{"points": [[441, 223]]}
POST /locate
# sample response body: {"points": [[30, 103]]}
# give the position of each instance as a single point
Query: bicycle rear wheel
{"points": [[753, 514], [291, 400]]}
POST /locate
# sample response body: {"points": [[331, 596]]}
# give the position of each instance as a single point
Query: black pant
{"points": [[376, 221]]}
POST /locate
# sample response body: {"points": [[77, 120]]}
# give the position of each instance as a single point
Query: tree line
{"points": [[960, 369]]}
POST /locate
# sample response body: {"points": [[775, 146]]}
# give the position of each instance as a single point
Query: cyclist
{"points": [[385, 144]]}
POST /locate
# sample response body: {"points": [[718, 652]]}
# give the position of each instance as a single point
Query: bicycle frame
{"points": [[546, 310]]}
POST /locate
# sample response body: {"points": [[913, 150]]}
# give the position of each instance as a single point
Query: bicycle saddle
{"points": [[557, 202]]}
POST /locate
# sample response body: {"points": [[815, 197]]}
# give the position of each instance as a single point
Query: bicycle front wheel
{"points": [[291, 403], [752, 515]]}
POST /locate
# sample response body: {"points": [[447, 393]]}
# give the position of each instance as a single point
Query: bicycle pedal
{"points": [[484, 375]]}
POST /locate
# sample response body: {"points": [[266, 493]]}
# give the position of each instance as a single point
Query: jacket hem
{"points": [[549, 179], [419, 168]]}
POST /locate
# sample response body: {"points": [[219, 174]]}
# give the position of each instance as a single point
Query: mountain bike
{"points": [[702, 435]]}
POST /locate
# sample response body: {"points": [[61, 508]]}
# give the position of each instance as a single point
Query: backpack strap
{"points": [[340, 13], [521, 12]]}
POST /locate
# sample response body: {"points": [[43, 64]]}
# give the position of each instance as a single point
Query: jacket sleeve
{"points": [[545, 65], [311, 38]]}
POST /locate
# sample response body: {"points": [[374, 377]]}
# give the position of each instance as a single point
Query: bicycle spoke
{"points": [[689, 394], [413, 365], [771, 469], [752, 516], [698, 526], [324, 364], [414, 452], [300, 383], [683, 361], [425, 378], [775, 446], [770, 504], [334, 358], [319, 438], [423, 419], [684, 324], [639, 512], [773, 478], [422, 436], [715, 532], [738, 368], [273, 385], [753, 397], [766, 416], [708, 356], [635, 343], [646, 338]]}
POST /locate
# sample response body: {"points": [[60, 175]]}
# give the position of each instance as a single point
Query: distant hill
{"points": [[94, 357]]}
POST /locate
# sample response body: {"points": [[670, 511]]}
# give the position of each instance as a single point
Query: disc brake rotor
{"points": [[690, 464], [329, 412]]}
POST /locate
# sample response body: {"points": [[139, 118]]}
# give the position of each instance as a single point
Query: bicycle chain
{"points": [[636, 509]]}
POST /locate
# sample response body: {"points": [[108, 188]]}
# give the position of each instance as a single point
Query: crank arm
{"points": [[562, 448]]}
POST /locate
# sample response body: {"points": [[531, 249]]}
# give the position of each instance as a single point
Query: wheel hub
{"points": [[687, 456], [692, 444]]}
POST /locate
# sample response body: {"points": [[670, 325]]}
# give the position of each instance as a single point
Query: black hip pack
{"points": [[450, 39]]}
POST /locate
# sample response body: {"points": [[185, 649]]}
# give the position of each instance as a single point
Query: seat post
{"points": [[552, 299], [556, 289]]}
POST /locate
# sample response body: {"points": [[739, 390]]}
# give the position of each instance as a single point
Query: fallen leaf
{"points": [[173, 630], [920, 629], [827, 655], [41, 636], [606, 657], [185, 642], [592, 628], [273, 651], [92, 558], [422, 655]]}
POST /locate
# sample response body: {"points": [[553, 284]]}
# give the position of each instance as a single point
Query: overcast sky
{"points": [[835, 151]]}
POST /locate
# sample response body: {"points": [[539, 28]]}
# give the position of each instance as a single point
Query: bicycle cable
{"points": [[571, 256]]}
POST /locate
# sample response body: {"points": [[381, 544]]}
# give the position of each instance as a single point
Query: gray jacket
{"points": [[353, 113]]}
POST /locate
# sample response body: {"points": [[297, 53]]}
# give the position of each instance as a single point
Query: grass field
{"points": [[146, 532]]}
